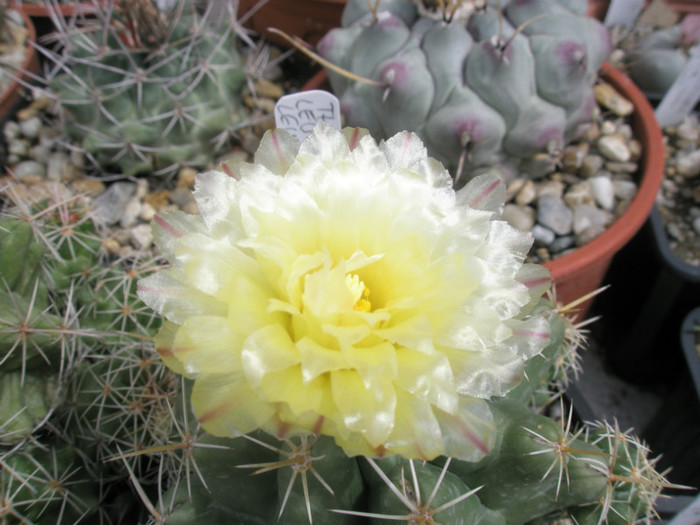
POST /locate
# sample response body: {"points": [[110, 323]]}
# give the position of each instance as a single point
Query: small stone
{"points": [[111, 246], [514, 187], [520, 217], [674, 231], [591, 165], [603, 192], [109, 205], [527, 193], [696, 225], [11, 131], [625, 189], [181, 196], [553, 213], [185, 177], [31, 127], [563, 243], [58, 166], [39, 153], [543, 254], [266, 105], [551, 187], [591, 132], [608, 127], [18, 147], [266, 89], [542, 235], [614, 147], [688, 130], [588, 234], [622, 167], [77, 158], [625, 131], [147, 212], [688, 164], [130, 213], [572, 157], [587, 217], [636, 149], [90, 187], [29, 171], [538, 165], [47, 137], [191, 208], [141, 236], [158, 199], [579, 193], [141, 189], [607, 96]]}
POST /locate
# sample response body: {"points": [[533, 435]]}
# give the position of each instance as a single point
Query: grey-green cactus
{"points": [[480, 85], [148, 90], [655, 60]]}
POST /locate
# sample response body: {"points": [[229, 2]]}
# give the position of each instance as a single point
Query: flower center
{"points": [[360, 293]]}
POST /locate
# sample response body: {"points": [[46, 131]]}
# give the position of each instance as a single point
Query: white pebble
{"points": [[696, 225], [31, 127], [141, 236], [614, 147], [29, 169], [625, 190], [603, 192]]}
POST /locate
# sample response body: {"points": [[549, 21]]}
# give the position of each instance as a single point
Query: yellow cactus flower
{"points": [[343, 287]]}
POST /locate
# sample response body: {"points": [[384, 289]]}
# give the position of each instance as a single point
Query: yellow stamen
{"points": [[360, 293]]}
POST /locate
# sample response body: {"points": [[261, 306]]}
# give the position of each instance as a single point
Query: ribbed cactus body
{"points": [[656, 60], [149, 106], [522, 478], [498, 86]]}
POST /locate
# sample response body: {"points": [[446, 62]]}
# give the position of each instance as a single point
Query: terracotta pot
{"points": [[308, 19], [41, 10], [583, 270], [598, 8], [29, 66]]}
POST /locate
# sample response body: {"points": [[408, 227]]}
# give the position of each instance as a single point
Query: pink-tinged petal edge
{"points": [[531, 333], [167, 226], [466, 432], [479, 198], [354, 139], [532, 283]]}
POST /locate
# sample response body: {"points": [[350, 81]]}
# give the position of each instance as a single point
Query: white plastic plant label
{"points": [[683, 95], [623, 12], [298, 113]]}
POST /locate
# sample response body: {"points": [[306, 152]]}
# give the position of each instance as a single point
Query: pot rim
{"points": [[30, 65]]}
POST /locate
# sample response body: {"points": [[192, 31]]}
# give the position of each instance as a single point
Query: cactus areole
{"points": [[479, 84]]}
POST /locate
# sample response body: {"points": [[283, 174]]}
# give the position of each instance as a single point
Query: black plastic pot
{"points": [[690, 342], [652, 291], [675, 429]]}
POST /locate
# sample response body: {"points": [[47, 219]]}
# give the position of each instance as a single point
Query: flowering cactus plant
{"points": [[347, 290], [338, 311]]}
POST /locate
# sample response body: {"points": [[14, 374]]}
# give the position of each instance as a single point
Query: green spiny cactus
{"points": [[478, 85], [146, 90], [77, 384]]}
